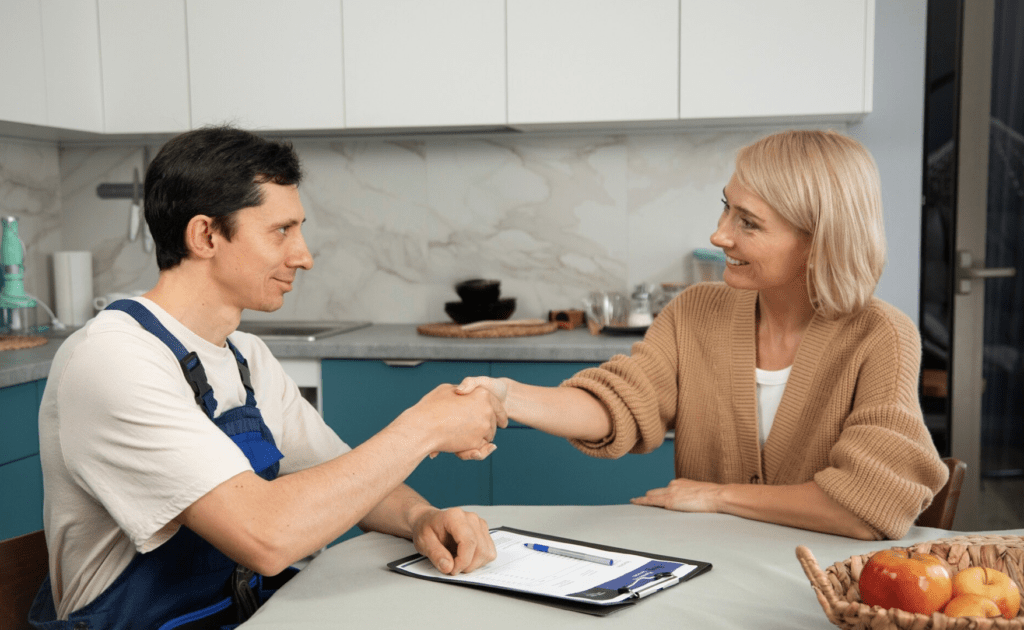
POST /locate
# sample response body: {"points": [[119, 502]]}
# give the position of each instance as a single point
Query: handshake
{"points": [[460, 419]]}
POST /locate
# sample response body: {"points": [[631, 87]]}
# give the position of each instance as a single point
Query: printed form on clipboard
{"points": [[589, 586]]}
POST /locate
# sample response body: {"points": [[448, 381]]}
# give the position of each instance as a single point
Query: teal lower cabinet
{"points": [[533, 468], [21, 478], [21, 497]]}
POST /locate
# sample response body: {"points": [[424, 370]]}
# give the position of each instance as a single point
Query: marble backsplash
{"points": [[30, 191], [393, 224]]}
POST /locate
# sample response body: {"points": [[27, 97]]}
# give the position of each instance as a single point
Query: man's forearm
{"points": [[268, 525], [396, 513]]}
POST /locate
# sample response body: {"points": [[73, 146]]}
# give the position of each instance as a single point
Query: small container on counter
{"points": [[708, 265], [640, 308]]}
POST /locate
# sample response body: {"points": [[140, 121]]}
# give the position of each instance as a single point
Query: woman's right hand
{"points": [[497, 386]]}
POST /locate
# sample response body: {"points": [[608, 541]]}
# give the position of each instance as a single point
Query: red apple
{"points": [[990, 584], [899, 578], [969, 605]]}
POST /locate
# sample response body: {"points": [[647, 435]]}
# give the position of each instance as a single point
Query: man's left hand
{"points": [[683, 495], [454, 540]]}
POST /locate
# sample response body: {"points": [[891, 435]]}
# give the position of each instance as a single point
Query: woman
{"points": [[791, 390]]}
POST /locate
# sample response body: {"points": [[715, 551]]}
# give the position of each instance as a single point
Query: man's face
{"points": [[258, 265]]}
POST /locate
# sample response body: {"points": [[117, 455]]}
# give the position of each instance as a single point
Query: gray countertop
{"points": [[382, 341]]}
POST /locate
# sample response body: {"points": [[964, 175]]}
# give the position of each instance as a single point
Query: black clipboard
{"points": [[577, 605]]}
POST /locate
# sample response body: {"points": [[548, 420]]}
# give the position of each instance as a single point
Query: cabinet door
{"points": [[592, 60], [534, 468], [145, 66], [22, 69], [21, 497], [362, 397], [745, 58], [71, 47], [20, 419], [412, 63], [266, 64]]}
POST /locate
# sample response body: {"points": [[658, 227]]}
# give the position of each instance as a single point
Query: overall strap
{"points": [[243, 371], [189, 361]]}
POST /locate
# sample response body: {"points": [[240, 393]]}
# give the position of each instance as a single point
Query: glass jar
{"points": [[640, 311]]}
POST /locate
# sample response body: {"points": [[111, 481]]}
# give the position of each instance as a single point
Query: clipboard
{"points": [[582, 586]]}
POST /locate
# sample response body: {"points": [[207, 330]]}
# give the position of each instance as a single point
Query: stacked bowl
{"points": [[481, 300]]}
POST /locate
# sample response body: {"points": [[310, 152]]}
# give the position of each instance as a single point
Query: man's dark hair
{"points": [[213, 171]]}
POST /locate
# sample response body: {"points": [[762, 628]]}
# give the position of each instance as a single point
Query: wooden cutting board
{"points": [[19, 342], [489, 329]]}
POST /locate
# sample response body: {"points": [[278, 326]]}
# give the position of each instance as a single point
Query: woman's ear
{"points": [[199, 236]]}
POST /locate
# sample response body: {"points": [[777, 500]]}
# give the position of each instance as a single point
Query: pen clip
{"points": [[657, 585]]}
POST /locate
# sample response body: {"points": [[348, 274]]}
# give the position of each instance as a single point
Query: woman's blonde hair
{"points": [[826, 185]]}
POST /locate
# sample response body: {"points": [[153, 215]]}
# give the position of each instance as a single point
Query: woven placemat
{"points": [[451, 329], [19, 342]]}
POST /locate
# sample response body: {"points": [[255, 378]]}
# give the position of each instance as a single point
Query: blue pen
{"points": [[568, 553]]}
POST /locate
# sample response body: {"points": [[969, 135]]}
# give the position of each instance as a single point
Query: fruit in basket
{"points": [[991, 584], [900, 578], [969, 605]]}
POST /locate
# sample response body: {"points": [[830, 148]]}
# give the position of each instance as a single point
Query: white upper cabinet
{"points": [[592, 60], [411, 63], [166, 66], [71, 50], [784, 58], [22, 69], [145, 66], [266, 64]]}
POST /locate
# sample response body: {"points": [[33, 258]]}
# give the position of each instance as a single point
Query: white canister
{"points": [[72, 283]]}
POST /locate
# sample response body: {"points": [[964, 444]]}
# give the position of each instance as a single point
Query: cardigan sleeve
{"points": [[884, 467], [640, 392]]}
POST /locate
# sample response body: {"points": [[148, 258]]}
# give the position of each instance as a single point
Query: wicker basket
{"points": [[836, 586]]}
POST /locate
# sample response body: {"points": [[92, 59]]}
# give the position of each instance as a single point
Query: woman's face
{"points": [[763, 251]]}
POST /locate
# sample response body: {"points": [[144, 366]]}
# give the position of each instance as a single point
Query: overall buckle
{"points": [[196, 377]]}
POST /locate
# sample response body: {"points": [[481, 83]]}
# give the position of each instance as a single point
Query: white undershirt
{"points": [[770, 385]]}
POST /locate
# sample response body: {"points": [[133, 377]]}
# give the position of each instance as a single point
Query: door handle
{"points": [[966, 271], [404, 363]]}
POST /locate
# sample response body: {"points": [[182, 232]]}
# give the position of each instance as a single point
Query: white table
{"points": [[756, 580]]}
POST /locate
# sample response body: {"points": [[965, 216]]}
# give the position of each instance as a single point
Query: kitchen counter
{"points": [[382, 341]]}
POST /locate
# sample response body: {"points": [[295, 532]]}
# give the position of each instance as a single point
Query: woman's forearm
{"points": [[567, 412], [805, 506]]}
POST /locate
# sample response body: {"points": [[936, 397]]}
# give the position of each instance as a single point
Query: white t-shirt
{"points": [[770, 386], [125, 448]]}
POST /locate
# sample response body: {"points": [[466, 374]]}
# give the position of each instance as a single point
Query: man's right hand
{"points": [[452, 423]]}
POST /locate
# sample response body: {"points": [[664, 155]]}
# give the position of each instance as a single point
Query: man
{"points": [[180, 463]]}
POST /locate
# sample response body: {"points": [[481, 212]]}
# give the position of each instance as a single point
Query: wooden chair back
{"points": [[25, 563], [942, 511]]}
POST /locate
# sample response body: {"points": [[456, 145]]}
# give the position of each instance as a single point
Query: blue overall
{"points": [[185, 583]]}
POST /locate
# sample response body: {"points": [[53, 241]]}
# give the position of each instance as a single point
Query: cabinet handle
{"points": [[402, 362]]}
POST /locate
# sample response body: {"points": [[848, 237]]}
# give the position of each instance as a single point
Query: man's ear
{"points": [[199, 234]]}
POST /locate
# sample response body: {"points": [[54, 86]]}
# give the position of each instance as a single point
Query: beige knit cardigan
{"points": [[849, 418]]}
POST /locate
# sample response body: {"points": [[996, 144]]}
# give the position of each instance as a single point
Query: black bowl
{"points": [[463, 313], [478, 291]]}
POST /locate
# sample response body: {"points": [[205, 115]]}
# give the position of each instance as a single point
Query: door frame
{"points": [[968, 310]]}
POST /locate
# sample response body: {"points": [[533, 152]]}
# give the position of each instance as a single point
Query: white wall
{"points": [[893, 133]]}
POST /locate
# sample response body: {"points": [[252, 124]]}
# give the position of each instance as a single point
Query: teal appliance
{"points": [[17, 309]]}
